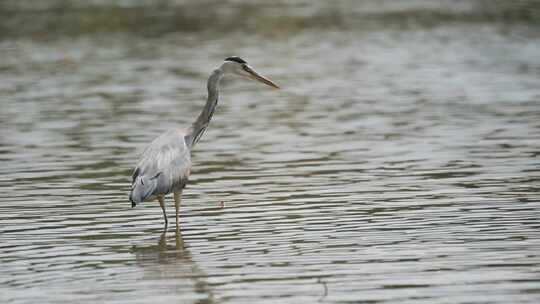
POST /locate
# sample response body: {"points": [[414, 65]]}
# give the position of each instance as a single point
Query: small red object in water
{"points": [[221, 205]]}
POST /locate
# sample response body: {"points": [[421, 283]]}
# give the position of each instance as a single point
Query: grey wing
{"points": [[167, 160]]}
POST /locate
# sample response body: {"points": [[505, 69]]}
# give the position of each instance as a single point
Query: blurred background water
{"points": [[398, 164]]}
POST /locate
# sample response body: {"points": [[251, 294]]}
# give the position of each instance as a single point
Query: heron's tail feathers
{"points": [[143, 187]]}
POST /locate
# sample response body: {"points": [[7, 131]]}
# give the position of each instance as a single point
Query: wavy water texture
{"points": [[395, 166]]}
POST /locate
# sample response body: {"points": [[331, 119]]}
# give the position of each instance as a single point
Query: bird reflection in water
{"points": [[171, 262]]}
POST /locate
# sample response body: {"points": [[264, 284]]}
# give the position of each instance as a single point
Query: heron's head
{"points": [[238, 66]]}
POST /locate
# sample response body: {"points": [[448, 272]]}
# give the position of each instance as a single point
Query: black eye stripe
{"points": [[235, 59]]}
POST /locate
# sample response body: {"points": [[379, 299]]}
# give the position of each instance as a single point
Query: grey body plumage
{"points": [[165, 165]]}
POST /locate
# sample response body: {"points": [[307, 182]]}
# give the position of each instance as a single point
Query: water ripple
{"points": [[390, 173]]}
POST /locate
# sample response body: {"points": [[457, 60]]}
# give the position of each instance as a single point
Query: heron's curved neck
{"points": [[201, 123]]}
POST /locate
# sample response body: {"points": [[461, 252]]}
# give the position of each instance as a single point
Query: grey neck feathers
{"points": [[201, 123]]}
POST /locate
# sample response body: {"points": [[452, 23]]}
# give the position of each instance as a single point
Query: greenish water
{"points": [[398, 164], [48, 18]]}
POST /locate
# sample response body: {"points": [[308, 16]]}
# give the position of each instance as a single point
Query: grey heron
{"points": [[165, 165]]}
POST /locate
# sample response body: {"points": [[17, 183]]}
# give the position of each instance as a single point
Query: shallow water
{"points": [[395, 166]]}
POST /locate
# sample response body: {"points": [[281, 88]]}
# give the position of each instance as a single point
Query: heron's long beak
{"points": [[258, 77]]}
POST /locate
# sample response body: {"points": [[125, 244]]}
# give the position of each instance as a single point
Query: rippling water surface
{"points": [[395, 166]]}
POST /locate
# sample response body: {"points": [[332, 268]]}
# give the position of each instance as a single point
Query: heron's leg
{"points": [[177, 198], [161, 200]]}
